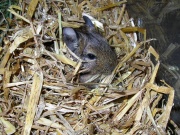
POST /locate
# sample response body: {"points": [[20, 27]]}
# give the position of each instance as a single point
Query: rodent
{"points": [[98, 57]]}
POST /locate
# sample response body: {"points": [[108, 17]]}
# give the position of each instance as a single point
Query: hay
{"points": [[39, 94]]}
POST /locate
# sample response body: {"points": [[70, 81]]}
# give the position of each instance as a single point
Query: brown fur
{"points": [[93, 49]]}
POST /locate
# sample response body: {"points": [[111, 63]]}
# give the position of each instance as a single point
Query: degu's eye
{"points": [[91, 56]]}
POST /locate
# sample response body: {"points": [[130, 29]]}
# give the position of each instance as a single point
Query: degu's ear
{"points": [[88, 22], [70, 38]]}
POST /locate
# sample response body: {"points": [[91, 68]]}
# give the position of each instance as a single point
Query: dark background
{"points": [[161, 18]]}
